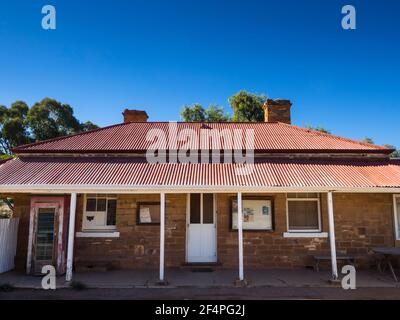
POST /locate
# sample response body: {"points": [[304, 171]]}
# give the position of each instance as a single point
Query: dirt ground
{"points": [[259, 293]]}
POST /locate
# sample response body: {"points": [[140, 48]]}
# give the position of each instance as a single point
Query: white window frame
{"points": [[104, 227], [396, 220], [318, 230]]}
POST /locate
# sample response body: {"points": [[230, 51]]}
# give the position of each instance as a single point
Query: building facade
{"points": [[94, 201]]}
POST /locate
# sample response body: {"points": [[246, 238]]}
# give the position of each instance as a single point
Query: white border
{"points": [[93, 234], [305, 234]]}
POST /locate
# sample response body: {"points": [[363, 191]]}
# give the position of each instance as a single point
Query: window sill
{"points": [[98, 234], [305, 234]]}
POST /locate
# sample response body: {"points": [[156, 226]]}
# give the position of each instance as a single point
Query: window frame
{"points": [[105, 227], [318, 200], [396, 220], [268, 198], [201, 208], [138, 204]]}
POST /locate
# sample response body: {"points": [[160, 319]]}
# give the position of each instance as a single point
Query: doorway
{"points": [[201, 228]]}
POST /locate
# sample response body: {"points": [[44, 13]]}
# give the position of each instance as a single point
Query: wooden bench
{"points": [[349, 259]]}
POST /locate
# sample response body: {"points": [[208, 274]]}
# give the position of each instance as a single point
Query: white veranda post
{"points": [[332, 236], [240, 234], [162, 234], [71, 236]]}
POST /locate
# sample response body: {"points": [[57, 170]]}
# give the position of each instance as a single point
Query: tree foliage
{"points": [[216, 113], [319, 128], [247, 106], [46, 119], [50, 118], [395, 153], [87, 126], [368, 140], [13, 126], [196, 113]]}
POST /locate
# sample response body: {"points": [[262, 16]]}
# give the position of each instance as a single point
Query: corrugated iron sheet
{"points": [[128, 171], [132, 137]]}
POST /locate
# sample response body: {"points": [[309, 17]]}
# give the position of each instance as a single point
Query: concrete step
{"points": [[202, 267]]}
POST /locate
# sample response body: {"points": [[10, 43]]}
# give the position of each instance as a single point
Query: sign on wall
{"points": [[257, 214]]}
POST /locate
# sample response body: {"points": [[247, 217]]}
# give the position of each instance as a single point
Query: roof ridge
{"points": [[148, 124], [38, 143], [336, 137]]}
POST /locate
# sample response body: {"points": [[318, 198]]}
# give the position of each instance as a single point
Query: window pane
{"points": [[94, 220], [208, 208], [45, 234], [101, 204], [91, 204], [303, 215], [155, 213], [195, 208], [111, 212]]}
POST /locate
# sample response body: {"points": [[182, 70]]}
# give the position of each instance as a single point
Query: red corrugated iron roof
{"points": [[269, 137], [128, 171]]}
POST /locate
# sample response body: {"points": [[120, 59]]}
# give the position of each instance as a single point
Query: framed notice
{"points": [[148, 213], [257, 213]]}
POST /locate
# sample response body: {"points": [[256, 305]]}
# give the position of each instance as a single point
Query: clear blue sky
{"points": [[105, 56]]}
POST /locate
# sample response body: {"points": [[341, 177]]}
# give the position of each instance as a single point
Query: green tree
{"points": [[395, 153], [87, 126], [45, 120], [13, 126], [216, 113], [247, 106], [49, 119], [196, 113], [320, 129], [368, 140]]}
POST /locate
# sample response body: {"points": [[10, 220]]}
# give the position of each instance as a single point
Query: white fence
{"points": [[8, 243]]}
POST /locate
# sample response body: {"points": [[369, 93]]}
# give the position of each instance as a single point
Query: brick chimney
{"points": [[277, 110], [134, 116]]}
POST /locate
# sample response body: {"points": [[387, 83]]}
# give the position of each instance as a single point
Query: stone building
{"points": [[154, 194]]}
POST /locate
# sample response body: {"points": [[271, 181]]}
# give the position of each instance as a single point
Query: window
{"points": [[6, 207], [148, 213], [303, 212], [257, 213], [201, 208], [195, 209], [100, 212], [396, 203]]}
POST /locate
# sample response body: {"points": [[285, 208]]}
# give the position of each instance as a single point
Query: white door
{"points": [[201, 235]]}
